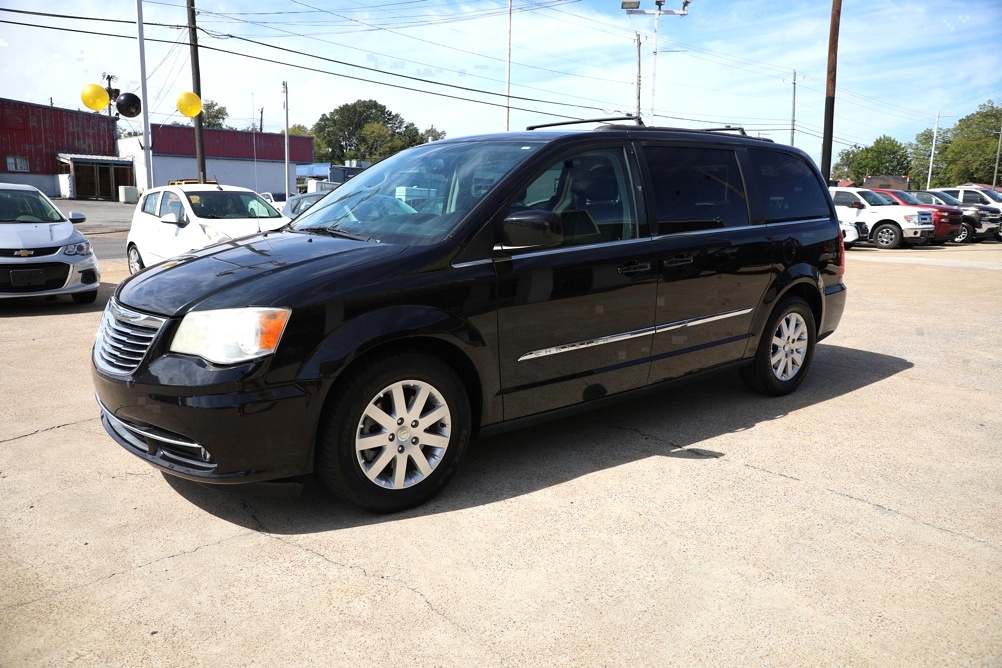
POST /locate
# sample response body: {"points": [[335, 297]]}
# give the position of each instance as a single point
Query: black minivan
{"points": [[467, 286]]}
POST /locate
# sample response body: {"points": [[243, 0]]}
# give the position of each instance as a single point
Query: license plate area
{"points": [[27, 278]]}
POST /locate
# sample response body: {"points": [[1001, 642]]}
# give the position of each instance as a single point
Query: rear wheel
{"points": [[887, 236], [135, 260], [394, 432], [786, 350]]}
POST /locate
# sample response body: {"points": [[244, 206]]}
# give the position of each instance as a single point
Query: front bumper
{"points": [[925, 232], [210, 433], [56, 274]]}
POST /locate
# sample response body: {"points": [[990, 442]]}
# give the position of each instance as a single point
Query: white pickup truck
{"points": [[890, 225]]}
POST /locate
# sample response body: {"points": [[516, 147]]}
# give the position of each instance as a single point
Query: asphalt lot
{"points": [[854, 523]]}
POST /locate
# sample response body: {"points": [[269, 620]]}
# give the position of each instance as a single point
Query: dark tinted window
{"points": [[789, 187], [971, 197], [845, 199], [696, 188]]}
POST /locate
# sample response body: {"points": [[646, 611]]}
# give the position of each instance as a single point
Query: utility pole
{"points": [[826, 141], [633, 7], [285, 105], [638, 77], [793, 117], [112, 92], [260, 125], [196, 88], [147, 149], [932, 153], [507, 76], [998, 150]]}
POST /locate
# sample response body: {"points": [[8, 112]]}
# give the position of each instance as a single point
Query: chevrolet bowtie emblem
{"points": [[24, 253]]}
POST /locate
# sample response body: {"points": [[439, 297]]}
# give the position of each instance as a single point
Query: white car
{"points": [[41, 252], [173, 220], [890, 225]]}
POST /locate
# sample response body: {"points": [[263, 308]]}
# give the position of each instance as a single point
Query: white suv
{"points": [[890, 225], [172, 220], [990, 224]]}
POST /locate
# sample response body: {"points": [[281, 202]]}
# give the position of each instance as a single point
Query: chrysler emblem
{"points": [[24, 253]]}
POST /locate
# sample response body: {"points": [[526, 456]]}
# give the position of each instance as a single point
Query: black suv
{"points": [[467, 286]]}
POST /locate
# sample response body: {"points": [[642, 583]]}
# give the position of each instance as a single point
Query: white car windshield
{"points": [[873, 198], [223, 204], [25, 206], [417, 196], [992, 195]]}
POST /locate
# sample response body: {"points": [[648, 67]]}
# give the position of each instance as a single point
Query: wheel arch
{"points": [[886, 221], [801, 280]]}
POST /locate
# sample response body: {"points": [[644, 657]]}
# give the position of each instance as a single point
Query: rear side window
{"points": [[789, 188], [696, 188], [150, 204], [845, 199]]}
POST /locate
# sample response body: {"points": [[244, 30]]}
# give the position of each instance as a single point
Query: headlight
{"points": [[229, 336], [213, 235], [912, 218], [83, 248]]}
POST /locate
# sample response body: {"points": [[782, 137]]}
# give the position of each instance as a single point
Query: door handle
{"points": [[677, 261], [634, 267]]}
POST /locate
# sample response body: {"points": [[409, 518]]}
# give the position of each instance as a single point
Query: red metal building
{"points": [[39, 143]]}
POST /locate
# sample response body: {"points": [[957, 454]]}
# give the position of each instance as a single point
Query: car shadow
{"points": [[673, 424], [17, 307]]}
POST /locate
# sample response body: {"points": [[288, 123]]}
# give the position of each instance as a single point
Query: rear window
{"points": [[789, 188]]}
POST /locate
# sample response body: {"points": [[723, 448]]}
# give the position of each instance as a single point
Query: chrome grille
{"points": [[123, 338], [925, 218]]}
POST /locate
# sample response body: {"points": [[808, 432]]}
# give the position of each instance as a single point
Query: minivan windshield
{"points": [[418, 196]]}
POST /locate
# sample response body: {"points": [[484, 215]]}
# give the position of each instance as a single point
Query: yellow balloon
{"points": [[94, 97], [189, 104]]}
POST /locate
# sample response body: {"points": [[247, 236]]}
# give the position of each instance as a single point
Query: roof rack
{"points": [[628, 117]]}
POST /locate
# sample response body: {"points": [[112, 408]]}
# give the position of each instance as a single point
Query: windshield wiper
{"points": [[334, 229]]}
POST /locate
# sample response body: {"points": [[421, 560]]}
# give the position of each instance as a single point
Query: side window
{"points": [[150, 204], [953, 193], [845, 199], [592, 193], [171, 203], [696, 188], [789, 187], [971, 197]]}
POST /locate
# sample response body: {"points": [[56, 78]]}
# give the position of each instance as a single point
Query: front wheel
{"points": [[85, 297], [785, 352], [887, 236], [394, 432], [966, 233]]}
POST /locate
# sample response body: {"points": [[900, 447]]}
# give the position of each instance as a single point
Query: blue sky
{"points": [[444, 62]]}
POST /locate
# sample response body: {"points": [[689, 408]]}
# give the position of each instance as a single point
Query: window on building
{"points": [[16, 163]]}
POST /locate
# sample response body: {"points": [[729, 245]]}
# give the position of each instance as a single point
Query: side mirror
{"points": [[171, 219], [530, 229], [76, 217], [857, 205]]}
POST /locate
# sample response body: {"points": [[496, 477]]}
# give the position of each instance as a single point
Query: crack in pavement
{"points": [[42, 431]]}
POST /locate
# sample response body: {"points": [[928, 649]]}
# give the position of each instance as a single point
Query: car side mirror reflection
{"points": [[530, 229], [858, 205], [171, 219]]}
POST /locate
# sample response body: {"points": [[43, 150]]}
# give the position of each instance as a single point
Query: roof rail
{"points": [[628, 117]]}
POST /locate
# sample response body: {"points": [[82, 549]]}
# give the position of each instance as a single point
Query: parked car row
{"points": [[891, 218]]}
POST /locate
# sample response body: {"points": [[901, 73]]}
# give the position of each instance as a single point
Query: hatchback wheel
{"points": [[785, 352], [887, 236], [394, 432], [135, 260]]}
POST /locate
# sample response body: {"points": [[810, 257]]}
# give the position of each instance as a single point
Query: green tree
{"points": [[971, 156], [347, 134], [213, 115], [431, 134], [887, 156], [842, 169], [919, 152]]}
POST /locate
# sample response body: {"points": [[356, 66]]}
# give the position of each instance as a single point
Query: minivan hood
{"points": [[38, 235], [262, 270]]}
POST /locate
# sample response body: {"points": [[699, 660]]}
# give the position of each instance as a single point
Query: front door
{"points": [[576, 322]]}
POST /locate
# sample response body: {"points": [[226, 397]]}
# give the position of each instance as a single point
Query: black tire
{"points": [[848, 246], [886, 236], [786, 350], [430, 452], [135, 260], [965, 234], [85, 297]]}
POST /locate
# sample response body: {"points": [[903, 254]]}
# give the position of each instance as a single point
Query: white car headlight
{"points": [[213, 235], [229, 336], [82, 248], [912, 218]]}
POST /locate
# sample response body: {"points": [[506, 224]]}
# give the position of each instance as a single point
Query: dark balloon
{"points": [[129, 105]]}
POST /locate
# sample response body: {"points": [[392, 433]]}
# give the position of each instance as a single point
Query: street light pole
{"points": [[997, 151], [633, 7]]}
